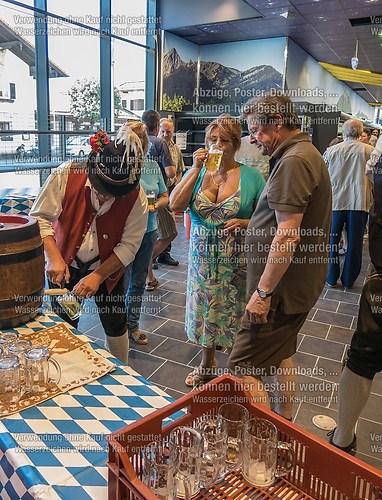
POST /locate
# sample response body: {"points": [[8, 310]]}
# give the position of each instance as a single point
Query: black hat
{"points": [[116, 170]]}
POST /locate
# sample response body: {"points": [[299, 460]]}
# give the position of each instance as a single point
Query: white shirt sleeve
{"points": [[134, 230], [47, 206]]}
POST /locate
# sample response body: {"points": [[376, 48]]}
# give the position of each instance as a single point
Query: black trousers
{"points": [[111, 306], [365, 352]]}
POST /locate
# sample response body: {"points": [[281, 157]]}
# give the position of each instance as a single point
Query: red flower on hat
{"points": [[98, 141]]}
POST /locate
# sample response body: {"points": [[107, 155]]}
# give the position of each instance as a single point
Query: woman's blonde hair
{"points": [[229, 128], [141, 129]]}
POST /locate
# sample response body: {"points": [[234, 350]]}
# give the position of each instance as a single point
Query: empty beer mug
{"points": [[42, 370], [19, 349], [234, 415], [160, 469], [10, 389], [6, 339], [214, 433], [264, 456], [187, 443]]}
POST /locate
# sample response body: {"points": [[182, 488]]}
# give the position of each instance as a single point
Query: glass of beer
{"points": [[214, 158], [150, 199]]}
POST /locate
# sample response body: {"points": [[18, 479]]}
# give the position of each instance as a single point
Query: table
{"points": [[16, 202], [58, 449]]}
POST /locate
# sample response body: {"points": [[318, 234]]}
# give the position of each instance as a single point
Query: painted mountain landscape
{"points": [[224, 87]]}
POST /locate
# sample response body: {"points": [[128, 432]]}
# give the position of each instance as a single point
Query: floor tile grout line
{"points": [[165, 361]]}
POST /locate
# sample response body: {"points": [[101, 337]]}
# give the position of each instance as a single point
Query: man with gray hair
{"points": [[352, 199], [287, 240]]}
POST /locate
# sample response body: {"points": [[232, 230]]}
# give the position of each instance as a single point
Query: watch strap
{"points": [[263, 294]]}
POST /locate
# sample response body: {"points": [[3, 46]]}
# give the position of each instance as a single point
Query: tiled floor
{"points": [[323, 340]]}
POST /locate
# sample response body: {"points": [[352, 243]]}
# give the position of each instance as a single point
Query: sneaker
{"points": [[168, 260], [155, 264], [350, 449]]}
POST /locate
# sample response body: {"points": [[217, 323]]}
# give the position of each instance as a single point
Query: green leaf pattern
{"points": [[216, 288]]}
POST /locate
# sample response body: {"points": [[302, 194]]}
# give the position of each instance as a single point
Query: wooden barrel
{"points": [[21, 270]]}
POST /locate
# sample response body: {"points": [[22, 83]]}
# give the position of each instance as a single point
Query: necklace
{"points": [[217, 184]]}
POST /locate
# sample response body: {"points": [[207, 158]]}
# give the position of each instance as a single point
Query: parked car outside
{"points": [[78, 147]]}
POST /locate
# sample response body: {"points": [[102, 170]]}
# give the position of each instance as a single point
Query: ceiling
{"points": [[326, 29]]}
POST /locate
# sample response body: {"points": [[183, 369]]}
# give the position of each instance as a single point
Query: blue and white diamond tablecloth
{"points": [[14, 202], [58, 449]]}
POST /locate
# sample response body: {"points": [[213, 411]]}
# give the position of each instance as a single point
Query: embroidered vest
{"points": [[77, 215]]}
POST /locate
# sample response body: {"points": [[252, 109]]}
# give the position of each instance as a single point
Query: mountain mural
{"points": [[219, 84]]}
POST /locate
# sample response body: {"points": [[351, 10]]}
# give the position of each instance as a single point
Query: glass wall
{"points": [[74, 53]]}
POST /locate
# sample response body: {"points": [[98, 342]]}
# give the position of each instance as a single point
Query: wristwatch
{"points": [[263, 294]]}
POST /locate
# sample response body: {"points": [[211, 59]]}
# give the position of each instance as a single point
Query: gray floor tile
{"points": [[346, 308], [332, 318], [315, 329], [173, 312], [172, 329], [174, 286], [327, 304], [340, 295], [340, 334], [369, 435], [372, 409], [172, 373], [174, 350], [329, 369], [303, 360], [150, 323], [320, 347], [178, 299], [172, 275], [145, 364]]}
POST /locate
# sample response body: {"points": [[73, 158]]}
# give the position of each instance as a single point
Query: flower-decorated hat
{"points": [[114, 167]]}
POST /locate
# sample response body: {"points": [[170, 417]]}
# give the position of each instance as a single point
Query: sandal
{"points": [[200, 375], [139, 337], [152, 285]]}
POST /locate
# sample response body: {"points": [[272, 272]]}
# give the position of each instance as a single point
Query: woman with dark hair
{"points": [[221, 203]]}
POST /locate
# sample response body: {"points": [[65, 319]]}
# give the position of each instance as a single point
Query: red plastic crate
{"points": [[321, 472]]}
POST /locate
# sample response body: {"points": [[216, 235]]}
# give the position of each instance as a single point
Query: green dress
{"points": [[216, 285]]}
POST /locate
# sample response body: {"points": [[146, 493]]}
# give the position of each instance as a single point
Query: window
{"points": [[137, 104], [12, 91], [5, 126]]}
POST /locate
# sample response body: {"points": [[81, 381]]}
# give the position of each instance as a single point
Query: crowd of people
{"points": [[260, 252]]}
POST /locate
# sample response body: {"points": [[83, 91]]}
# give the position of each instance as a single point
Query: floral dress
{"points": [[216, 287]]}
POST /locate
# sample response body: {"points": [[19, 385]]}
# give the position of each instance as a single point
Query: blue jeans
{"points": [[355, 222], [135, 280]]}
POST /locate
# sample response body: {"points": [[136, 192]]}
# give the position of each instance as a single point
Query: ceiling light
{"points": [[288, 14], [354, 60]]}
